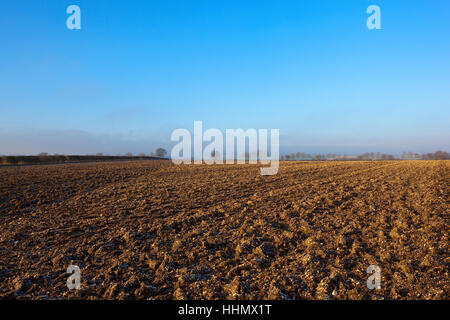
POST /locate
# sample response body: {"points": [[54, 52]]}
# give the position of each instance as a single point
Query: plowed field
{"points": [[154, 230]]}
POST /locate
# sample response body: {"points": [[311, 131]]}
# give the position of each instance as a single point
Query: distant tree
{"points": [[160, 152], [282, 158], [128, 154], [441, 155], [298, 155], [287, 157], [99, 154], [43, 154], [142, 155], [215, 155]]}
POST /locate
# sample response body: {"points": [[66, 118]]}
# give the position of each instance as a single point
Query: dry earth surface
{"points": [[153, 230]]}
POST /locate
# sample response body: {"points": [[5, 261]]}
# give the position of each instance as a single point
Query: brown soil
{"points": [[151, 229]]}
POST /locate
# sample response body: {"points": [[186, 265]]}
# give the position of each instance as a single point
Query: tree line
{"points": [[438, 155], [44, 157]]}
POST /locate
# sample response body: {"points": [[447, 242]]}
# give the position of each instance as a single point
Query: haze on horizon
{"points": [[136, 72]]}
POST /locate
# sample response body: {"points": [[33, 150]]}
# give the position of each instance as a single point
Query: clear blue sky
{"points": [[139, 69]]}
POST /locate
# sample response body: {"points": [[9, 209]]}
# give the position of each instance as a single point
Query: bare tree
{"points": [[160, 152], [215, 154]]}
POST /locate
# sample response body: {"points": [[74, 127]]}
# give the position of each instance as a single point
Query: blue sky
{"points": [[137, 70]]}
